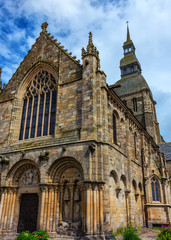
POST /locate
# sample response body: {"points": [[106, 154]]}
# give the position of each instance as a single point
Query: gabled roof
{"points": [[166, 149], [131, 85], [46, 49]]}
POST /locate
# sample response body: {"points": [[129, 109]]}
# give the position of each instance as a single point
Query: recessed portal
{"points": [[28, 212]]}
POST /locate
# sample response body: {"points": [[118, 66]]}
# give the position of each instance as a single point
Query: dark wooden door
{"points": [[28, 212]]}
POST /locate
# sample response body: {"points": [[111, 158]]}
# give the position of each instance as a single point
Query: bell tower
{"points": [[135, 92], [129, 64]]}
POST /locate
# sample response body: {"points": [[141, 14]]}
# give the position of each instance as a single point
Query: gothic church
{"points": [[79, 157]]}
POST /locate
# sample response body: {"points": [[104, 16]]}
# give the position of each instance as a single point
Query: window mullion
{"points": [[31, 116], [37, 115], [25, 118], [43, 117], [50, 105]]}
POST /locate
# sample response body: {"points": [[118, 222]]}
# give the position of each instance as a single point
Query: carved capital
{"points": [[88, 186], [3, 190], [14, 190], [101, 187], [127, 192], [50, 188], [56, 188], [43, 188]]}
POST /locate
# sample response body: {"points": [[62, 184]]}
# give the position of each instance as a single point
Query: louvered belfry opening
{"points": [[39, 106]]}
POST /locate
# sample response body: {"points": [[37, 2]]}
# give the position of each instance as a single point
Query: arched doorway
{"points": [[24, 176], [68, 174]]}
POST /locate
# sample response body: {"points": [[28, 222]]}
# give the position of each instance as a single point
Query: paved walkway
{"points": [[145, 234]]}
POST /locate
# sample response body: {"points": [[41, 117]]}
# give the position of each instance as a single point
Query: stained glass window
{"points": [[155, 189], [39, 106], [114, 129]]}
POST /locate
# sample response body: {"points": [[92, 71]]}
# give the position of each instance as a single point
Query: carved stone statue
{"points": [[29, 177]]}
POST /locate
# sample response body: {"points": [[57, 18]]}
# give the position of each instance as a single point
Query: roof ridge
{"points": [[51, 37]]}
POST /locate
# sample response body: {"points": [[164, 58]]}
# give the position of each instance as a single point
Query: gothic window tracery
{"points": [[39, 106], [155, 189]]}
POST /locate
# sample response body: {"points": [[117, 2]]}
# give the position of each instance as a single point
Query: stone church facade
{"points": [[79, 157]]}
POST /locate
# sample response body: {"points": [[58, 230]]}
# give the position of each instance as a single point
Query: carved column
{"points": [[49, 206], [88, 208], [3, 191], [95, 209], [55, 209], [4, 207], [43, 190], [52, 209], [45, 208], [101, 188], [10, 209], [83, 207], [71, 201], [13, 207], [61, 202], [7, 208]]}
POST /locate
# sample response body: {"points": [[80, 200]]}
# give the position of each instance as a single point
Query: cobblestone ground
{"points": [[145, 234]]}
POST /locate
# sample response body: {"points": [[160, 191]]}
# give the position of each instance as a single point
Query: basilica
{"points": [[79, 157]]}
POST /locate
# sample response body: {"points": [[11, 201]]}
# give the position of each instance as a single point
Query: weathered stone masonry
{"points": [[83, 181]]}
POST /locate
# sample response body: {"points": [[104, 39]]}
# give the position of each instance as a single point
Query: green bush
{"points": [[165, 233], [130, 233], [42, 235]]}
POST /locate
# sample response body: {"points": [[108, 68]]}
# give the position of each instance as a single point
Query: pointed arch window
{"points": [[39, 106], [155, 189], [135, 145], [114, 129], [134, 100]]}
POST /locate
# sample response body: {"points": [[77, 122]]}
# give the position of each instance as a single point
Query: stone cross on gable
{"points": [[44, 26]]}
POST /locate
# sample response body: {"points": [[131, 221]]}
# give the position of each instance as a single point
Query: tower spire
{"points": [[129, 64], [128, 34]]}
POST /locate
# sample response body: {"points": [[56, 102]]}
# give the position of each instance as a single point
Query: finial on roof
{"points": [[44, 26], [90, 38], [91, 50], [128, 34]]}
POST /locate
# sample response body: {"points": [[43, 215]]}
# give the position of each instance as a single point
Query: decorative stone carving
{"points": [[66, 195], [118, 189], [44, 156], [63, 225], [92, 147], [127, 192], [136, 196], [29, 177], [43, 188], [77, 195], [44, 26], [4, 160], [75, 225]]}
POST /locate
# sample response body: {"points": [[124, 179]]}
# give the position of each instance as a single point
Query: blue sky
{"points": [[71, 20]]}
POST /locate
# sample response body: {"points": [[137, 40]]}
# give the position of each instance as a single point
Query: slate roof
{"points": [[166, 149], [131, 85]]}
